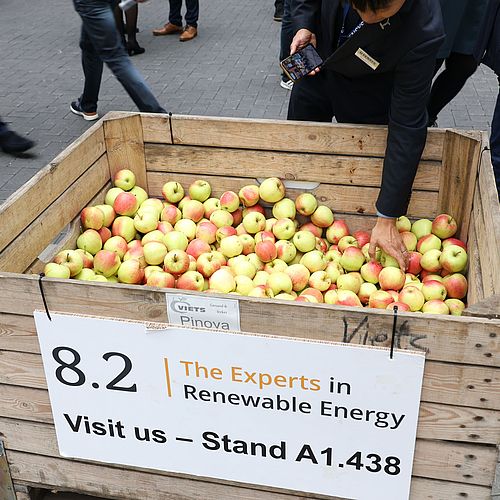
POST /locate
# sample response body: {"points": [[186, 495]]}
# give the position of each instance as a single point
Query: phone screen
{"points": [[301, 63]]}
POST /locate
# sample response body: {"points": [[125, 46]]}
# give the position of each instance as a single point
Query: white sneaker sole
{"points": [[286, 85], [88, 118]]}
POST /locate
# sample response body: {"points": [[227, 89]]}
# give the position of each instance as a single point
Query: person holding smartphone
{"points": [[379, 58]]}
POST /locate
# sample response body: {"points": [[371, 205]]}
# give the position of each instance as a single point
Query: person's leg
{"points": [[287, 33], [11, 142], [192, 12], [278, 10], [120, 25], [99, 27], [459, 68], [309, 100], [133, 46], [495, 143], [174, 15]]}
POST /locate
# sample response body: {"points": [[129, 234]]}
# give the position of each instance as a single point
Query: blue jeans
{"points": [[101, 43], [495, 143], [192, 12]]}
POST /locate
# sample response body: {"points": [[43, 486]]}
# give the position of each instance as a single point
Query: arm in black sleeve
{"points": [[407, 127], [304, 14]]}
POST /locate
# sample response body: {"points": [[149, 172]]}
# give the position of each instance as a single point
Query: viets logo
{"points": [[182, 305]]}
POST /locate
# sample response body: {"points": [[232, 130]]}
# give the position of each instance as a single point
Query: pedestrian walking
{"points": [[101, 43], [174, 24], [489, 47], [129, 27], [380, 72], [11, 142], [462, 21]]}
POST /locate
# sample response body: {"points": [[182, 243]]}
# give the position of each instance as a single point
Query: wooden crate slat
{"points": [[462, 463], [471, 341], [436, 421], [354, 199], [443, 383], [458, 178], [108, 482], [28, 202], [156, 128], [279, 135], [333, 169], [125, 146], [475, 291], [487, 308], [429, 489], [27, 246], [18, 333]]}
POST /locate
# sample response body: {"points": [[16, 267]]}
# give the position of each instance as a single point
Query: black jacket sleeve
{"points": [[305, 14], [407, 127]]}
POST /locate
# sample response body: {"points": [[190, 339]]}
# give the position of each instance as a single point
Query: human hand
{"points": [[385, 235], [302, 38]]}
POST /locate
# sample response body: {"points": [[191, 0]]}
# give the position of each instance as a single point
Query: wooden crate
{"points": [[459, 424]]}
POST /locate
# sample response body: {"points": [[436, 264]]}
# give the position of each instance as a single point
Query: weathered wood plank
{"points": [[462, 463], [109, 482], [475, 291], [353, 199], [447, 383], [436, 421], [458, 178], [332, 169], [29, 201], [280, 135], [488, 308], [125, 146], [466, 340], [427, 489], [156, 128], [21, 252], [18, 333]]}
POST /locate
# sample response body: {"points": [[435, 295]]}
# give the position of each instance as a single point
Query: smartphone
{"points": [[301, 63]]}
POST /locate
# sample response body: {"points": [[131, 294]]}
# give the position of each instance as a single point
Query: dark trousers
{"points": [[3, 127], [310, 100], [287, 31], [101, 43], [192, 12], [495, 143]]}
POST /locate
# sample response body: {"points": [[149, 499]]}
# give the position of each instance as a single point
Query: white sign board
{"points": [[316, 417], [193, 311]]}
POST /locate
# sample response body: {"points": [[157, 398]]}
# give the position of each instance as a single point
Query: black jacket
{"points": [[396, 93]]}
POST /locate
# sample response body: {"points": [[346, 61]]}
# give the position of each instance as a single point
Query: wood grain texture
{"points": [[425, 489], [488, 308], [18, 333], [21, 252], [350, 199], [156, 128], [125, 146], [471, 341], [462, 463], [461, 156], [29, 201], [281, 135], [475, 291], [326, 168], [447, 383]]}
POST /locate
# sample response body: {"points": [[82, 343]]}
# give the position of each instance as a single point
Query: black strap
{"points": [[40, 276]]}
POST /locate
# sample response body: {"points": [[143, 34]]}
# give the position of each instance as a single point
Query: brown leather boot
{"points": [[188, 34], [168, 29]]}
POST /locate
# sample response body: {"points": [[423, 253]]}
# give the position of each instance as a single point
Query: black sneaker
{"points": [[75, 107], [13, 143]]}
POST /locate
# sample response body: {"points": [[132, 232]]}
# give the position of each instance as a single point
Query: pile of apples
{"points": [[193, 241]]}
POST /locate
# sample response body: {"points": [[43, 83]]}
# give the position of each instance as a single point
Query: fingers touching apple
{"points": [[386, 236]]}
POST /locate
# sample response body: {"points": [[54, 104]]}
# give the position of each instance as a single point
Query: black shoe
{"points": [[278, 11], [75, 107], [133, 49], [13, 143], [278, 16]]}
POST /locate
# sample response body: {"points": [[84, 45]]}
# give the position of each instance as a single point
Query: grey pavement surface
{"points": [[230, 69]]}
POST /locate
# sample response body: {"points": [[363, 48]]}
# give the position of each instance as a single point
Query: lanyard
{"points": [[343, 37]]}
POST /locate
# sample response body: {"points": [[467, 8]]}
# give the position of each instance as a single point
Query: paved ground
{"points": [[229, 70]]}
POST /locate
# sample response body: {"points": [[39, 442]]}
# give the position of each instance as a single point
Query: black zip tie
{"points": [[395, 309], [40, 276], [170, 125]]}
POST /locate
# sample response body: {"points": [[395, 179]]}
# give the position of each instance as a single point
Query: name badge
{"points": [[367, 59]]}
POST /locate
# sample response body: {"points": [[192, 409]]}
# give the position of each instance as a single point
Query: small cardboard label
{"points": [[203, 312]]}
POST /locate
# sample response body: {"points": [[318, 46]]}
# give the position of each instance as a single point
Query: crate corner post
{"points": [[123, 135]]}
